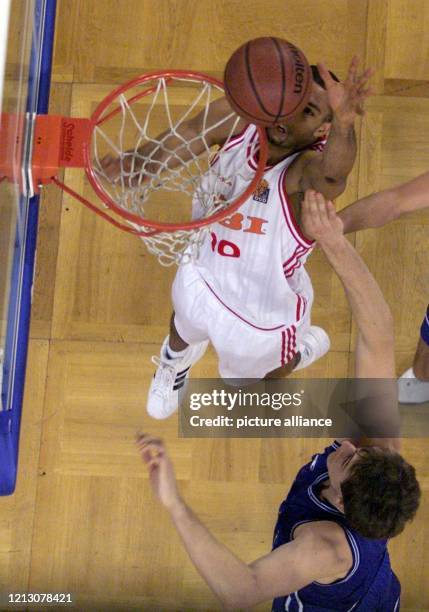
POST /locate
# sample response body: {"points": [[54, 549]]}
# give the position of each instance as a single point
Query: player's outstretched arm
{"points": [[328, 172], [380, 208], [236, 584], [374, 352], [375, 343], [187, 132]]}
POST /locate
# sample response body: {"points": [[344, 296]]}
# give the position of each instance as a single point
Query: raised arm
{"points": [[312, 555], [375, 341], [187, 132], [328, 172], [374, 352], [380, 208]]}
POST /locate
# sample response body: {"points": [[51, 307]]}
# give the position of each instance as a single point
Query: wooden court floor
{"points": [[83, 519]]}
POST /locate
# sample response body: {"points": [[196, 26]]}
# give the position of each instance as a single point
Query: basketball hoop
{"points": [[168, 185]]}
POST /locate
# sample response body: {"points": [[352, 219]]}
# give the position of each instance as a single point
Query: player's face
{"points": [[302, 130], [340, 463]]}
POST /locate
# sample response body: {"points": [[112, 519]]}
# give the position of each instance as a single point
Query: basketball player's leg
{"points": [[247, 354], [421, 361], [312, 343], [285, 370], [175, 342], [414, 382], [182, 348]]}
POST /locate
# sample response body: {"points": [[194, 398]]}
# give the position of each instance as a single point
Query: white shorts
{"points": [[244, 350]]}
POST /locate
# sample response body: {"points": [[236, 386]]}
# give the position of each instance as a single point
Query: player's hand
{"points": [[161, 472], [114, 167], [347, 98], [320, 221]]}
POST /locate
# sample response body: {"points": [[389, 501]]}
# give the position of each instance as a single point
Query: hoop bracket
{"points": [[117, 158], [58, 143]]}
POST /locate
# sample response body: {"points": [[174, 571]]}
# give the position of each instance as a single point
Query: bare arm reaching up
{"points": [[375, 343], [380, 208], [374, 352]]}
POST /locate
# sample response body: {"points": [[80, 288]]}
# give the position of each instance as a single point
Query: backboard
{"points": [[25, 69]]}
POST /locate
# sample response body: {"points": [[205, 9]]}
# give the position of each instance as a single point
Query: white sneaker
{"points": [[170, 378], [411, 390], [314, 344]]}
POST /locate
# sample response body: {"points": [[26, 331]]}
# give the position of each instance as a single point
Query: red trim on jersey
{"points": [[298, 307], [239, 316], [291, 344], [252, 160], [288, 350], [288, 213], [235, 139], [282, 358], [291, 272], [301, 306], [294, 342], [293, 263], [214, 160], [297, 252]]}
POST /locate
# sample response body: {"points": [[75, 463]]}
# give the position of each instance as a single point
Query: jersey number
{"points": [[224, 247]]}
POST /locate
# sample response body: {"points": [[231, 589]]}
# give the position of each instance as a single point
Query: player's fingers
{"points": [[306, 200], [364, 93], [352, 72], [324, 73], [107, 161], [321, 206], [360, 109], [314, 209], [143, 435], [311, 203], [330, 209], [364, 78], [145, 440], [151, 444], [146, 455]]}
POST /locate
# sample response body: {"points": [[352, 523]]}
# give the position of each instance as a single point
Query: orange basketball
{"points": [[267, 81]]}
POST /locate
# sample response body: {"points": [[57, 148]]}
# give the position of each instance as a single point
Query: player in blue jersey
{"points": [[330, 541]]}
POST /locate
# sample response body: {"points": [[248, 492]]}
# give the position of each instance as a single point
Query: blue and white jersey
{"points": [[369, 586]]}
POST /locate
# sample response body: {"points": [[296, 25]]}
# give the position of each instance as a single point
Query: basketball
{"points": [[267, 81]]}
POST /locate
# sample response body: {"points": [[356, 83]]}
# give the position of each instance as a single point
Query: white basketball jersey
{"points": [[253, 260]]}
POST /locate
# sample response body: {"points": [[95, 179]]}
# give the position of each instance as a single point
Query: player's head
{"points": [[312, 123], [377, 489]]}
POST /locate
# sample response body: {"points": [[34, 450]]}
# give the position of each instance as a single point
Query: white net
{"points": [[153, 157]]}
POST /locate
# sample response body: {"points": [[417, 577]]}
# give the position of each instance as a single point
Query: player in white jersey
{"points": [[248, 293], [253, 324], [259, 244]]}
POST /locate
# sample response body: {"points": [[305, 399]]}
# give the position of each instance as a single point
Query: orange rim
{"points": [[97, 119]]}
